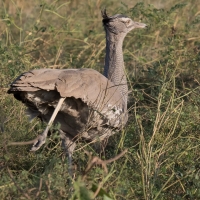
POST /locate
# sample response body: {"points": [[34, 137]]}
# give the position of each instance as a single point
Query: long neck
{"points": [[114, 64]]}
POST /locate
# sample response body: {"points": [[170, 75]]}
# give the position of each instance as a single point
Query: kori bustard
{"points": [[86, 104]]}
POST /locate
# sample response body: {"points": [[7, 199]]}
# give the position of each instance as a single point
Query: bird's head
{"points": [[119, 23]]}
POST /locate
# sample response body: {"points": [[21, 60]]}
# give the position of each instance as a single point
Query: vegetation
{"points": [[163, 66]]}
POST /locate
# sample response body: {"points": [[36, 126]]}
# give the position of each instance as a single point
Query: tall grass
{"points": [[162, 135]]}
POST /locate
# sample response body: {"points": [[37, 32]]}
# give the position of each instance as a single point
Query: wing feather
{"points": [[86, 84], [90, 86]]}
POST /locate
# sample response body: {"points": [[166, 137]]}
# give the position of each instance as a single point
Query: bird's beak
{"points": [[139, 25]]}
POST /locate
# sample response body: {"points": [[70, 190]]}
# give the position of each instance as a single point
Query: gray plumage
{"points": [[86, 104]]}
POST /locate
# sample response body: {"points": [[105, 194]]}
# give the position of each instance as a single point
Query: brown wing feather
{"points": [[86, 84], [93, 105]]}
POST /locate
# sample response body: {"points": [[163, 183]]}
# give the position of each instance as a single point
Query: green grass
{"points": [[163, 69]]}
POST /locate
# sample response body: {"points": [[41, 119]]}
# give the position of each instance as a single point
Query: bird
{"points": [[88, 105]]}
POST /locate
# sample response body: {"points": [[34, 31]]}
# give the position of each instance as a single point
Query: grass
{"points": [[162, 135]]}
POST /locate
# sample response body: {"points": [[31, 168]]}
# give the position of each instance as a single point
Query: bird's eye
{"points": [[128, 22]]}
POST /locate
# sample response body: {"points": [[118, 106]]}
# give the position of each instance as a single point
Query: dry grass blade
{"points": [[94, 160]]}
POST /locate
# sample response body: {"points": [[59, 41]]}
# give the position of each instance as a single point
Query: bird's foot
{"points": [[39, 141]]}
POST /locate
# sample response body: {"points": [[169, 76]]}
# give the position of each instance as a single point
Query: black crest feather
{"points": [[105, 16]]}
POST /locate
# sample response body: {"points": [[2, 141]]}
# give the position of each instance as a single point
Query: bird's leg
{"points": [[69, 146], [42, 138]]}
